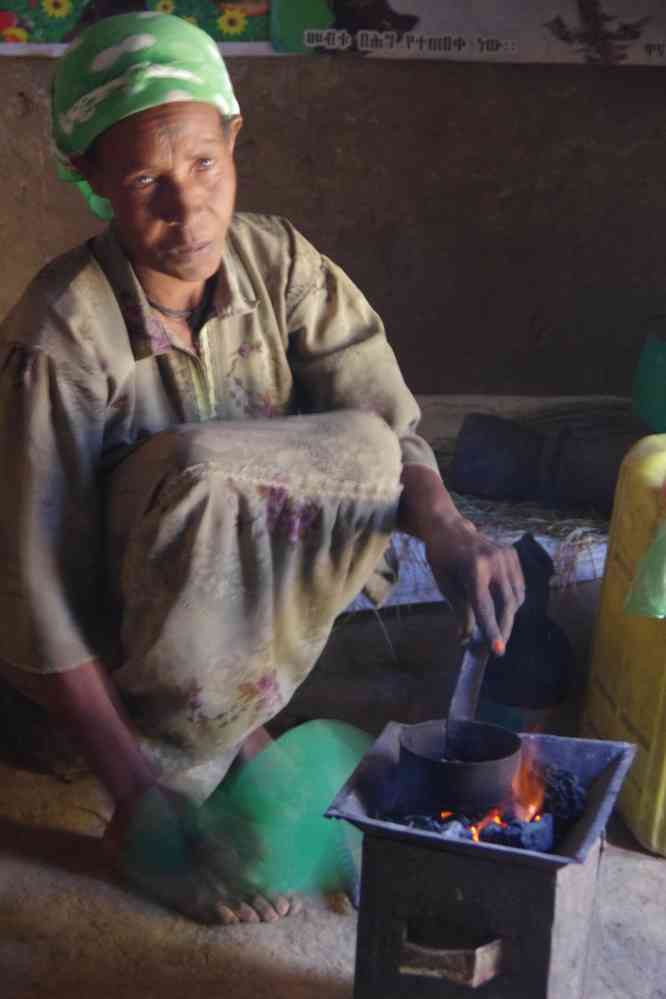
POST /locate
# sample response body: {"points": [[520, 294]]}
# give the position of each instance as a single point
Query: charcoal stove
{"points": [[438, 918]]}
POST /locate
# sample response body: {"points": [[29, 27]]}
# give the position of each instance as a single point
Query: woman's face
{"points": [[170, 177]]}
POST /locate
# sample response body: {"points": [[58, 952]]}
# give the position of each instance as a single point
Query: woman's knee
{"points": [[370, 444]]}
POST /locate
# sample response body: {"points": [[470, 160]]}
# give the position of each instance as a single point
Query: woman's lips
{"points": [[189, 249]]}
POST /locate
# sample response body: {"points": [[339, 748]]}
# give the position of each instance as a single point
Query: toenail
{"points": [[247, 914], [227, 916]]}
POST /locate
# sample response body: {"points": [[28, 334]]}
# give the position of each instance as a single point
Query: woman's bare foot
{"points": [[161, 846], [261, 910]]}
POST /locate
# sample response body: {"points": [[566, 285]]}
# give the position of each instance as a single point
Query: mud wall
{"points": [[505, 220]]}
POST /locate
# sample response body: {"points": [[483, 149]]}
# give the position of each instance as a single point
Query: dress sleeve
{"points": [[51, 428], [339, 354]]}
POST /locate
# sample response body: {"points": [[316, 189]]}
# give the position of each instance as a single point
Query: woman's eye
{"points": [[205, 162], [145, 180]]}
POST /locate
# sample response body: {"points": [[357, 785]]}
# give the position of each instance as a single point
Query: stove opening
{"points": [[438, 931], [434, 946]]}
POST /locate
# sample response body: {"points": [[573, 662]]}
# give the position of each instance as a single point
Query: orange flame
{"points": [[528, 787], [494, 816], [528, 793]]}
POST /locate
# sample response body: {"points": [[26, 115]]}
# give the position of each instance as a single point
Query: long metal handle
{"points": [[470, 679]]}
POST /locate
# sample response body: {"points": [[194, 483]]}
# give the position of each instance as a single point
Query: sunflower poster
{"points": [[605, 32], [31, 26]]}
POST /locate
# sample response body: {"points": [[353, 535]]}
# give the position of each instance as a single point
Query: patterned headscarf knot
{"points": [[123, 65]]}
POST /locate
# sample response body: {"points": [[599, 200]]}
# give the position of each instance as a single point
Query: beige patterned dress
{"points": [[196, 519]]}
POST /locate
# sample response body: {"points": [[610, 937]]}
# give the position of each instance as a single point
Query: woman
{"points": [[210, 442]]}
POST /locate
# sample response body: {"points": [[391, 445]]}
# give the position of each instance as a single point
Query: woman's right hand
{"points": [[190, 859]]}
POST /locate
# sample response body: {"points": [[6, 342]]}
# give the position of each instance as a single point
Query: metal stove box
{"points": [[439, 918]]}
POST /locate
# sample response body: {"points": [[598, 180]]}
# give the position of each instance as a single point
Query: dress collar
{"points": [[234, 293]]}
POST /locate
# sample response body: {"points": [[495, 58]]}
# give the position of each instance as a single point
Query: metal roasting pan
{"points": [[461, 765]]}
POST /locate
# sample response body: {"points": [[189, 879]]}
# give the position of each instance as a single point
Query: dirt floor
{"points": [[67, 927]]}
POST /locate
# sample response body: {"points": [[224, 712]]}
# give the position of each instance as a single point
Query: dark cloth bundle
{"points": [[573, 466]]}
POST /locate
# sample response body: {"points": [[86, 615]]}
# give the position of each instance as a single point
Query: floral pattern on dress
{"points": [[261, 698], [287, 516], [263, 695], [252, 403], [147, 332], [249, 403], [245, 350], [195, 703]]}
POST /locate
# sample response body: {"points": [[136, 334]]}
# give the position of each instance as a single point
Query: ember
{"points": [[501, 831], [547, 802]]}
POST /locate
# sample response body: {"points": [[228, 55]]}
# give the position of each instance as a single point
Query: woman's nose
{"points": [[179, 203]]}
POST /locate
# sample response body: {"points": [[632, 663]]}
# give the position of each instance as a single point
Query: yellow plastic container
{"points": [[626, 698]]}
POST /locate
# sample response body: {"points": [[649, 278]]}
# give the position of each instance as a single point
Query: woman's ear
{"points": [[232, 129]]}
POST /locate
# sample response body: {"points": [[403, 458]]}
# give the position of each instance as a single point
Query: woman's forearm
{"points": [[85, 701], [426, 508]]}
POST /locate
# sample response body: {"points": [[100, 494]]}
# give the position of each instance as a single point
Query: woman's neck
{"points": [[169, 294]]}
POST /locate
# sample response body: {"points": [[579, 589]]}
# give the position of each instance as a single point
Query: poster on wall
{"points": [[46, 26], [607, 32]]}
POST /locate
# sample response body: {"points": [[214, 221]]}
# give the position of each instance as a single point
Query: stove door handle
{"points": [[472, 966]]}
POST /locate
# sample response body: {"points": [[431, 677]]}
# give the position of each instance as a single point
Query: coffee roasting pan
{"points": [[460, 765]]}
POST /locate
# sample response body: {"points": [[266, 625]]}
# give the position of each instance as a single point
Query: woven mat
{"points": [[575, 541], [577, 544]]}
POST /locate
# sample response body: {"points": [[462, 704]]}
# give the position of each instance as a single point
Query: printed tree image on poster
{"points": [[606, 32], [59, 21]]}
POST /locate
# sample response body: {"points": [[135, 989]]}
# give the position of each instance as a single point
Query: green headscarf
{"points": [[123, 65]]}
